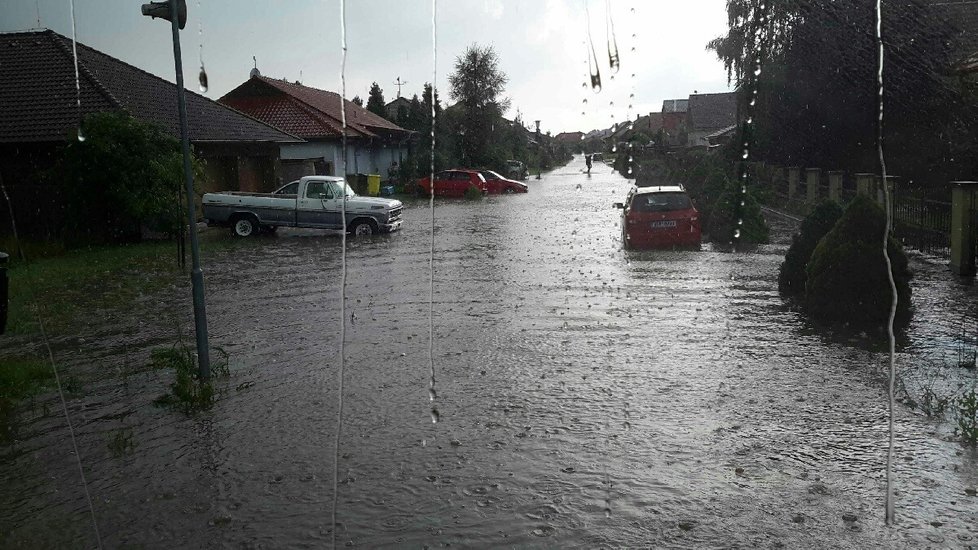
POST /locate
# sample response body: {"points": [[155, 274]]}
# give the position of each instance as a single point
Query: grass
{"points": [[967, 417], [20, 378], [68, 285], [188, 393], [121, 442]]}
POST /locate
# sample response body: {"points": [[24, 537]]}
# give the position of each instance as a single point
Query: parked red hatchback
{"points": [[453, 183], [497, 184], [659, 217]]}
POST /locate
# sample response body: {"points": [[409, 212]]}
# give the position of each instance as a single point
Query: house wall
{"points": [[361, 157]]}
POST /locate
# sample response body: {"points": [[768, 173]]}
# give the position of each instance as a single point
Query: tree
{"points": [[357, 100], [477, 85], [810, 66], [125, 175], [375, 101]]}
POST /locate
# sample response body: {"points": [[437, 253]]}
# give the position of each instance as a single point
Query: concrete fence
{"points": [[938, 220]]}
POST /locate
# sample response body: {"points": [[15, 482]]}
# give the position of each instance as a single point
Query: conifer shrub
{"points": [[846, 275], [792, 275], [722, 224]]}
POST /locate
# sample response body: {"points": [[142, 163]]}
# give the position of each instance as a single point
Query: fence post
{"points": [[865, 184], [963, 194], [812, 180], [835, 186], [794, 176]]}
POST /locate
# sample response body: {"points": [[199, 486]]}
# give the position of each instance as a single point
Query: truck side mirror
{"points": [[618, 205]]}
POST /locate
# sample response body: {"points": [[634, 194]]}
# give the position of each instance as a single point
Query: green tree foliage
{"points": [[125, 175], [477, 86], [846, 275], [375, 101], [357, 100], [724, 223], [792, 275], [817, 85]]}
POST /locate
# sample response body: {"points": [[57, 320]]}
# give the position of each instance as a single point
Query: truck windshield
{"points": [[336, 189]]}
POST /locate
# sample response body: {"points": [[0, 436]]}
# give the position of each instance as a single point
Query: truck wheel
{"points": [[363, 228], [244, 226]]}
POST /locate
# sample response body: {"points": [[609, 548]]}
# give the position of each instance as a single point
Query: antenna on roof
{"points": [[37, 7], [255, 72], [399, 83]]}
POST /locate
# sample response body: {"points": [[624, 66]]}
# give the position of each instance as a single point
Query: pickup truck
{"points": [[313, 201]]}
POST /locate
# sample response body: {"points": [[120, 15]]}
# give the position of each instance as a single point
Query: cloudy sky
{"points": [[542, 46]]}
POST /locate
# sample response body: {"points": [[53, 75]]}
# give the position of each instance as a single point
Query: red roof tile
{"points": [[37, 91], [307, 112]]}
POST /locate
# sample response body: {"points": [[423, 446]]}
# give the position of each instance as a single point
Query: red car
{"points": [[498, 184], [659, 217], [453, 183]]}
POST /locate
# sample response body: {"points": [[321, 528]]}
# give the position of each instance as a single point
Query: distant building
{"points": [[674, 121], [39, 114], [374, 145], [569, 138], [394, 108], [709, 114]]}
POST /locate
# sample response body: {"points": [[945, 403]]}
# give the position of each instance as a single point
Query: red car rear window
{"points": [[660, 202]]}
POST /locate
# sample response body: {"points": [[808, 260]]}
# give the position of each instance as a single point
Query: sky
{"points": [[542, 47]]}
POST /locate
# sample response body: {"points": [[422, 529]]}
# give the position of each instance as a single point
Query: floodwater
{"points": [[588, 398]]}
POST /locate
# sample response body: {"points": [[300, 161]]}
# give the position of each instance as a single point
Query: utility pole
{"points": [[175, 11], [399, 83]]}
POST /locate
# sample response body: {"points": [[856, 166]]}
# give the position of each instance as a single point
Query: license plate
{"points": [[663, 223]]}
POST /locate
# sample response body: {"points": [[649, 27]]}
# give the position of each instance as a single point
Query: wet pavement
{"points": [[588, 397]]}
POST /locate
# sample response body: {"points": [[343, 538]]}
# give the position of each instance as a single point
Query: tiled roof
{"points": [[569, 137], [307, 112], [712, 111], [37, 92]]}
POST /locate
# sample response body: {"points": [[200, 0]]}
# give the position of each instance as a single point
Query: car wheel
{"points": [[508, 191], [363, 228], [245, 226]]}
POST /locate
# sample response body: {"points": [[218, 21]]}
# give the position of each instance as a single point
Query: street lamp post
{"points": [[175, 11]]}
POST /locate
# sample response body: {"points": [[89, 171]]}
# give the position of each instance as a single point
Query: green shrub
{"points": [[846, 277], [473, 193], [791, 276], [723, 223], [187, 392], [967, 428], [127, 174]]}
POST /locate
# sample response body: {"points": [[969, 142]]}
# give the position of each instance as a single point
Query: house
{"points": [[40, 113], [674, 121], [569, 138], [648, 125], [374, 145], [398, 108], [709, 114]]}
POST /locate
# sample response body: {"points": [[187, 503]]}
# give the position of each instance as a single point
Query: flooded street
{"points": [[588, 397]]}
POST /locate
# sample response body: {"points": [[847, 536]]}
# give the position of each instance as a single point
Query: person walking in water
{"points": [[587, 160]]}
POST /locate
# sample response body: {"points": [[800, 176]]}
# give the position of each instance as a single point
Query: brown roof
{"points": [[37, 92], [307, 112], [569, 137], [712, 111]]}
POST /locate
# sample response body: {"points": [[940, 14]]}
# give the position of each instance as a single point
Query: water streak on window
{"points": [[342, 362]]}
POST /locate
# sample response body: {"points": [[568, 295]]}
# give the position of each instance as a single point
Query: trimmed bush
{"points": [[792, 275], [846, 277], [722, 223]]}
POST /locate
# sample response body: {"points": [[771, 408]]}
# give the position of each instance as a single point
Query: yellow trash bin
{"points": [[373, 184]]}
